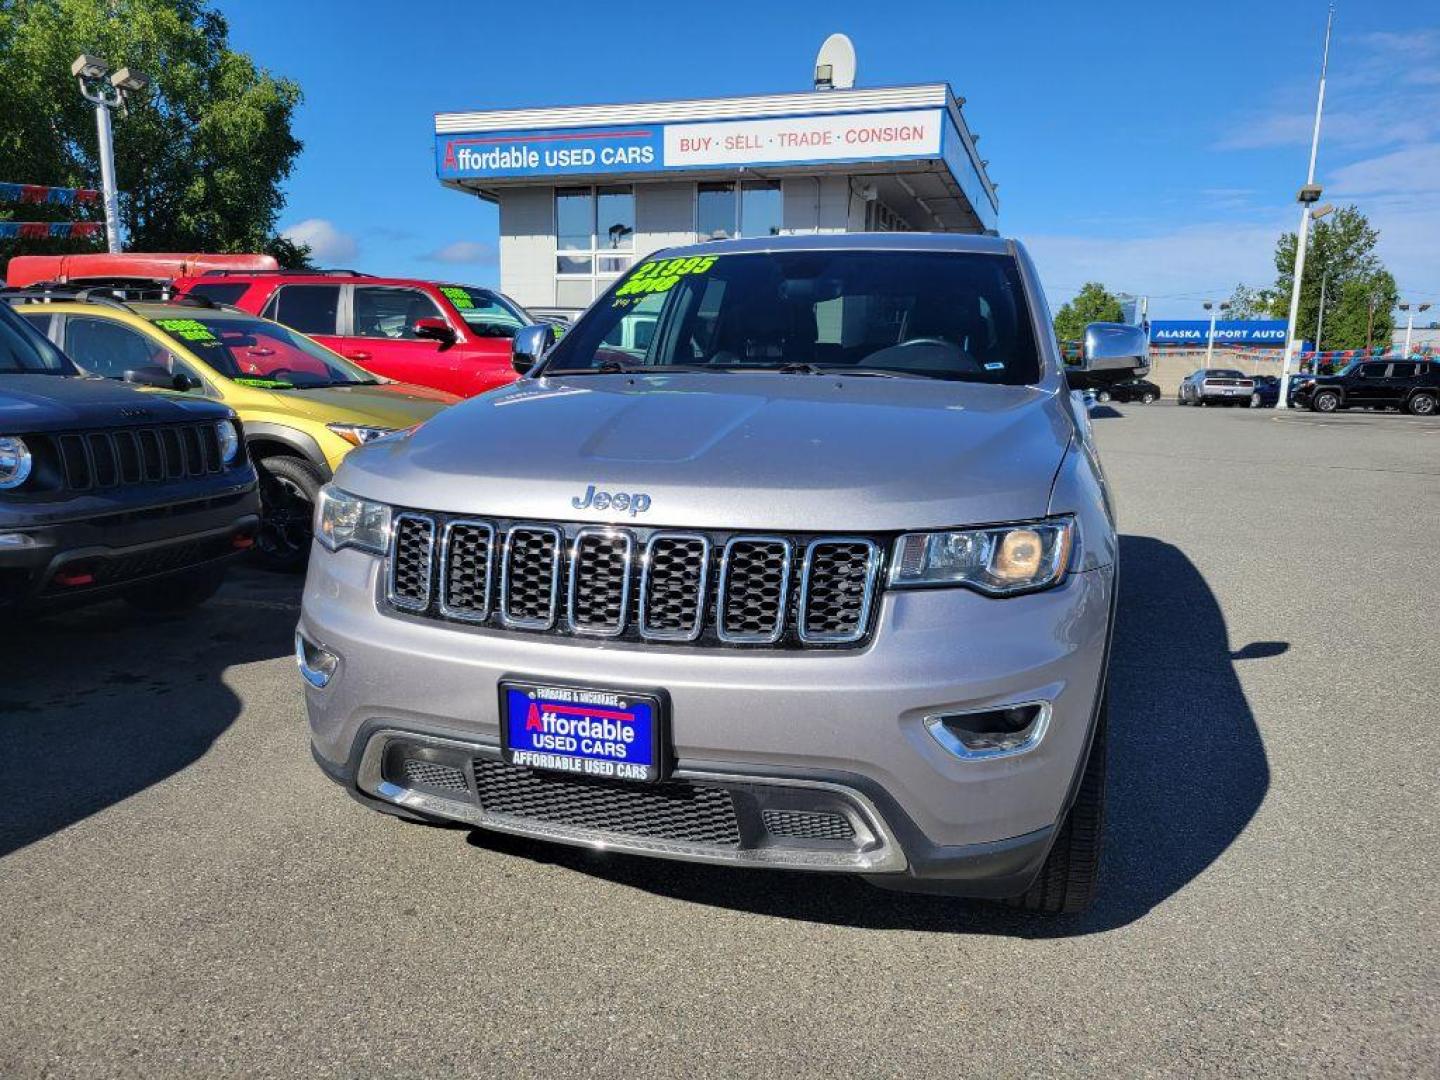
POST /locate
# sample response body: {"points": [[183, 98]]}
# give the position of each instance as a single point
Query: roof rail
{"points": [[51, 292], [286, 273]]}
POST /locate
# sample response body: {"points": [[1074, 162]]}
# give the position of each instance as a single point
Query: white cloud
{"points": [[327, 244], [462, 251]]}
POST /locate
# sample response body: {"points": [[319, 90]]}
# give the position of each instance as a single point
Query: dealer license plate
{"points": [[613, 734]]}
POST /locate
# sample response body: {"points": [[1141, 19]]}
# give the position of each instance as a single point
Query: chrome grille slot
{"points": [[672, 586], [599, 597], [466, 553], [836, 588], [530, 577], [754, 589], [412, 550]]}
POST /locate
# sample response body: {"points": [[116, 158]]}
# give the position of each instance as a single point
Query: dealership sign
{"points": [[795, 140], [1227, 332]]}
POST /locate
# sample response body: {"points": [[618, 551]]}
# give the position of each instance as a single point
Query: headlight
{"points": [[359, 434], [229, 440], [344, 520], [1001, 560], [15, 461]]}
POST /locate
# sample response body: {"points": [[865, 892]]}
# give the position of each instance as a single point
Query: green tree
{"points": [[1248, 303], [202, 153], [1093, 303], [1342, 251]]}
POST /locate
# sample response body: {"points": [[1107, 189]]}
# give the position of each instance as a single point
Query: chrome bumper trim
{"points": [[885, 857]]}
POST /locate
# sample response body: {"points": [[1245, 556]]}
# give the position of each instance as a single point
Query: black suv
{"points": [[106, 490], [1412, 385]]}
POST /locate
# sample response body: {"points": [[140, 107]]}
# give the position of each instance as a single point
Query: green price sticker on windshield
{"points": [[457, 296], [186, 329], [661, 276], [262, 384]]}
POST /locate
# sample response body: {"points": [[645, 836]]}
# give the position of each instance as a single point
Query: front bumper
{"points": [[841, 732], [54, 555]]}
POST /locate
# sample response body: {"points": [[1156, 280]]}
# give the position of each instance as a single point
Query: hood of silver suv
{"points": [[731, 451]]}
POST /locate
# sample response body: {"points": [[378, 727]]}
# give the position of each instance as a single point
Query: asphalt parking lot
{"points": [[182, 892]]}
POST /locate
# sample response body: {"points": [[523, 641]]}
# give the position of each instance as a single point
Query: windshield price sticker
{"points": [[186, 329], [457, 296], [263, 384], [661, 276]]}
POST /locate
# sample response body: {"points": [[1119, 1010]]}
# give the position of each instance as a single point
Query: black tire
{"points": [[1147, 398], [1066, 883], [289, 489], [1423, 403], [179, 593], [1325, 401]]}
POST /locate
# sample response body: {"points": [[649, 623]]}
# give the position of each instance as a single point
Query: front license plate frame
{"points": [[574, 715]]}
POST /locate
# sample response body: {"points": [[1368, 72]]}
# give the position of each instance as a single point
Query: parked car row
{"points": [[1412, 385]]}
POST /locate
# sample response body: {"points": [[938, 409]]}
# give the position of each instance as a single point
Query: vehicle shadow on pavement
{"points": [[99, 704], [1187, 773]]}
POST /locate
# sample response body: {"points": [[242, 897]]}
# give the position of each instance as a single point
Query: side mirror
{"points": [[184, 382], [435, 329], [153, 375], [529, 345], [1113, 353]]}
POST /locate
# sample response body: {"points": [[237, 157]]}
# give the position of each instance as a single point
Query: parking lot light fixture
{"points": [[1309, 195], [1214, 309], [105, 94], [1410, 312]]}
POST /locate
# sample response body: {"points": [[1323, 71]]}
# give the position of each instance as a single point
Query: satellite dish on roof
{"points": [[835, 64]]}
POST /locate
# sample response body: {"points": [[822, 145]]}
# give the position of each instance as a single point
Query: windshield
{"points": [[935, 315], [254, 352], [488, 314], [1224, 373], [25, 349]]}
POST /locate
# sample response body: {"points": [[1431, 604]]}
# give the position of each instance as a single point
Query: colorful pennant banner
{"points": [[36, 194], [49, 230]]}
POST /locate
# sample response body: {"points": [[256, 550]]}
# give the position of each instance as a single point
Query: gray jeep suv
{"points": [[814, 570]]}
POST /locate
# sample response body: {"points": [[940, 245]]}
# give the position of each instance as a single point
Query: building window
{"points": [[751, 208], [594, 238], [716, 212], [880, 218], [760, 208]]}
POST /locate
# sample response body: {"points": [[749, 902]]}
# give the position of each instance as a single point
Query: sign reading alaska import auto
{"points": [[648, 148], [1227, 331]]}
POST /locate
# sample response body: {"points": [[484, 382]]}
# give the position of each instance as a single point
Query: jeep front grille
{"points": [[97, 460], [651, 585]]}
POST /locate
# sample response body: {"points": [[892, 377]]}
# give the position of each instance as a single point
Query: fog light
{"points": [[317, 664], [991, 733]]}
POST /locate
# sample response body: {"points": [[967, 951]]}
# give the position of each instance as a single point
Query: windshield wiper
{"points": [[801, 367]]}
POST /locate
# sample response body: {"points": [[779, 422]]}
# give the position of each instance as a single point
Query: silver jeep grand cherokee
{"points": [[792, 553]]}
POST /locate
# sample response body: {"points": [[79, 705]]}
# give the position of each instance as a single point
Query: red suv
{"points": [[450, 337]]}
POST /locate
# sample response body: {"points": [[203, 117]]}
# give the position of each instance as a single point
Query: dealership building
{"points": [[584, 191]]}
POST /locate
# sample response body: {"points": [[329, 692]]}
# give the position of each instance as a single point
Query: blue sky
{"points": [[1155, 153]]}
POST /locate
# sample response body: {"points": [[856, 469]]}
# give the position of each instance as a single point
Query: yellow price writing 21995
{"points": [[661, 275]]}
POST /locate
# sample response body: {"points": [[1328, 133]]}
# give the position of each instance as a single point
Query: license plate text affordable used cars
{"points": [[589, 732]]}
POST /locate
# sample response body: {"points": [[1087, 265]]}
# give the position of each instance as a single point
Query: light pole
{"points": [[1309, 194], [1214, 309], [106, 94], [1410, 322], [1320, 319]]}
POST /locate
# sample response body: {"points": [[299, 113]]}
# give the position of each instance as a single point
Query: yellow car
{"points": [[302, 406]]}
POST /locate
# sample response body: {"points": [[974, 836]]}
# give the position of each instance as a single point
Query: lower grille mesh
{"points": [[807, 825], [696, 815]]}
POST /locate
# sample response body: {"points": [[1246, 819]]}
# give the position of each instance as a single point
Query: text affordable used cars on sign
{"points": [[915, 133]]}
